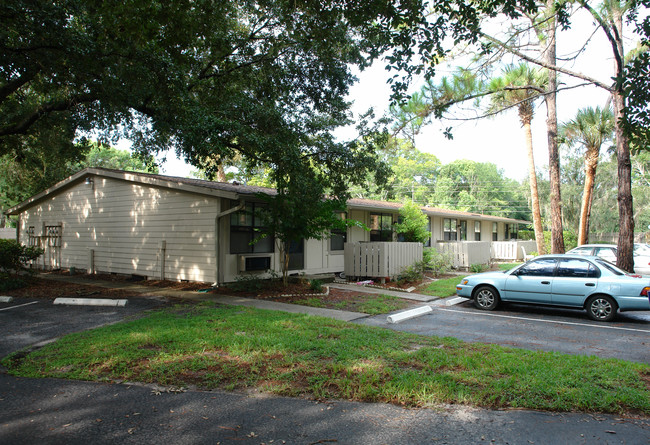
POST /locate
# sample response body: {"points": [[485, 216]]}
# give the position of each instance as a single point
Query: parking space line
{"points": [[544, 321], [20, 305]]}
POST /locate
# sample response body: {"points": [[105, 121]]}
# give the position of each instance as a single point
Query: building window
{"points": [[450, 233], [512, 229], [381, 227], [463, 230], [495, 231], [477, 230], [245, 227], [31, 237], [338, 237]]}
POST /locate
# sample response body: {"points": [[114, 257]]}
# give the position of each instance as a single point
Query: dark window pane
{"points": [[243, 226], [240, 241], [337, 241], [264, 245]]}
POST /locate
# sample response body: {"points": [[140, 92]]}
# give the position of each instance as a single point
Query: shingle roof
{"points": [[234, 190], [428, 210], [232, 187]]}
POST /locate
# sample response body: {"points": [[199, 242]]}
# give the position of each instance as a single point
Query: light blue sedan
{"points": [[575, 281]]}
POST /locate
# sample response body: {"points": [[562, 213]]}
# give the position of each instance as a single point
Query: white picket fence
{"points": [[380, 259]]}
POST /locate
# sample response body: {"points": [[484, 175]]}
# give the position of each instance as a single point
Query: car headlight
{"points": [[464, 282]]}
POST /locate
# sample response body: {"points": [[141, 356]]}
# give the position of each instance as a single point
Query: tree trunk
{"points": [[285, 265], [534, 195], [591, 163], [557, 236], [625, 255], [221, 172]]}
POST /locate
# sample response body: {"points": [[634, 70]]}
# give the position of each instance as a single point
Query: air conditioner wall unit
{"points": [[253, 263]]}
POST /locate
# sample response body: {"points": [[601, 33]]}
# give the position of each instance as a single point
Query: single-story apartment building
{"points": [[161, 227]]}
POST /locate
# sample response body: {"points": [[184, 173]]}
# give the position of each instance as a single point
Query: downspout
{"points": [[239, 207]]}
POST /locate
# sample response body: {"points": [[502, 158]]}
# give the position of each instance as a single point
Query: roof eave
{"points": [[126, 176]]}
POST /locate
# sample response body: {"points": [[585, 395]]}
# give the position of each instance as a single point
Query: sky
{"points": [[499, 140]]}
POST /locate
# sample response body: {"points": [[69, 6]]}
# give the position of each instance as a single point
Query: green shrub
{"points": [[15, 257], [316, 285], [10, 283], [526, 234], [413, 223], [414, 272], [248, 283], [437, 262], [570, 240], [477, 268]]}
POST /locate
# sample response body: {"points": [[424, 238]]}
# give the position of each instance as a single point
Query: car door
{"points": [[574, 280], [531, 283]]}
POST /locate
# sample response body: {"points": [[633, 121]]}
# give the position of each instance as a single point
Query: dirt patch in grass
{"points": [[50, 289], [299, 292], [303, 294]]}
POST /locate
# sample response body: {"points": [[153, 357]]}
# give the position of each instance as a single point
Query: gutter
{"points": [[220, 215]]}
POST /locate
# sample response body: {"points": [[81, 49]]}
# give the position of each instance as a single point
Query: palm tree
{"points": [[591, 128], [519, 86]]}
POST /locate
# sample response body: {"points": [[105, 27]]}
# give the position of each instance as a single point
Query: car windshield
{"points": [[609, 266]]}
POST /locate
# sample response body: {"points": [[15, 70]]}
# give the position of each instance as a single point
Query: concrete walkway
{"points": [[206, 296]]}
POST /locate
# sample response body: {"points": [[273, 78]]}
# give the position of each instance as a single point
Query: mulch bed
{"points": [[50, 289]]}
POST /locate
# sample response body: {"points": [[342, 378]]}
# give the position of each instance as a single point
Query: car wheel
{"points": [[601, 308], [486, 298]]}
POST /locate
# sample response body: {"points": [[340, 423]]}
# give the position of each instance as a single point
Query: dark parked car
{"points": [[575, 281]]}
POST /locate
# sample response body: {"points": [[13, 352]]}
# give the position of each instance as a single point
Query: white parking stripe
{"points": [[20, 305], [544, 321]]}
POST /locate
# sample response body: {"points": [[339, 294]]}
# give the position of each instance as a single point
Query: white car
{"points": [[608, 252]]}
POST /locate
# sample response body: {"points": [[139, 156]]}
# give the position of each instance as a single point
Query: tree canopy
{"points": [[26, 173]]}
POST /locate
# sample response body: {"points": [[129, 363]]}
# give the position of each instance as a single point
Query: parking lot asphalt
{"points": [[52, 411], [29, 322], [533, 327], [57, 411]]}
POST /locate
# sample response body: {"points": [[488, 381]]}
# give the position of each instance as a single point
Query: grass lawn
{"points": [[371, 304], [444, 287], [508, 266], [210, 346]]}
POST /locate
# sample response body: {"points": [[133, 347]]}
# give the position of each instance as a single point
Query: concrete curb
{"points": [[4, 299], [91, 302], [407, 315]]}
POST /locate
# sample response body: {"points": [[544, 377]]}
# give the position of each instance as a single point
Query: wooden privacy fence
{"points": [[7, 233], [465, 253], [380, 259]]}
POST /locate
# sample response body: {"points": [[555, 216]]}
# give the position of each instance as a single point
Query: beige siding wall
{"points": [[317, 258], [124, 224]]}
